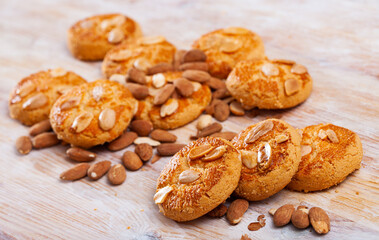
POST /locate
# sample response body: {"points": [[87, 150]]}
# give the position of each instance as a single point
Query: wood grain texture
{"points": [[336, 40]]}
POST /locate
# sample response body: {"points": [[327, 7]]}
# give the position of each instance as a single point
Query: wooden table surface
{"points": [[337, 40]]}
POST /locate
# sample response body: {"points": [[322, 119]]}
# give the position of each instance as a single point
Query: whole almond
{"points": [[221, 93], [178, 58], [184, 87], [169, 108], [107, 119], [283, 215], [320, 220], [298, 69], [188, 176], [97, 170], [210, 109], [116, 35], [196, 75], [144, 151], [218, 212], [214, 154], [126, 139], [300, 219], [163, 94], [24, 144], [204, 121], [138, 91], [116, 174], [70, 103], [163, 136], [236, 211], [201, 66], [36, 101], [213, 128], [332, 135], [236, 108], [43, 126], [26, 88], [44, 140], [194, 55], [225, 135], [136, 75], [169, 149], [80, 155], [82, 121], [141, 127], [77, 172], [216, 83], [160, 68], [131, 161], [222, 111], [258, 131]]}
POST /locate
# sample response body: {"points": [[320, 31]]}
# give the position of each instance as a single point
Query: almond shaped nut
{"points": [[230, 45], [264, 157], [43, 126], [45, 140], [120, 78], [204, 121], [163, 136], [322, 134], [291, 86], [163, 94], [107, 119], [300, 219], [116, 174], [184, 87], [298, 69], [141, 127], [199, 151], [258, 131], [305, 150], [131, 161], [211, 129], [196, 75], [249, 158], [221, 93], [236, 108], [159, 68], [332, 136], [169, 107], [116, 35], [126, 139], [81, 122], [142, 64], [26, 88], [80, 155], [188, 176], [144, 151], [136, 75], [196, 86], [158, 80], [138, 91], [97, 170], [214, 154], [225, 135], [151, 142], [36, 101], [201, 66], [169, 149], [320, 220], [77, 172], [58, 72], [283, 215], [216, 83], [272, 211], [152, 40], [121, 55], [254, 226], [270, 69], [161, 195], [235, 30], [221, 111], [281, 138], [194, 55], [155, 159], [218, 212], [70, 103], [236, 211], [97, 93], [24, 144], [178, 58]]}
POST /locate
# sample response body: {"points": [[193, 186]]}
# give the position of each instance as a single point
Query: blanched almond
{"points": [[82, 121], [184, 87], [162, 194], [97, 170], [26, 88], [24, 145], [152, 40], [44, 140], [147, 140], [117, 174], [160, 68], [158, 80], [264, 157], [169, 108], [136, 75], [258, 131], [121, 55], [80, 155], [116, 35], [194, 55], [188, 176], [305, 150], [204, 121], [97, 93], [199, 151], [201, 66], [291, 86], [70, 103], [37, 101], [196, 75], [214, 154], [230, 45], [58, 72], [107, 119], [270, 69], [281, 138], [163, 94], [118, 78], [236, 108], [123, 141], [249, 158], [196, 86], [77, 172], [43, 126], [298, 69], [142, 64], [322, 134], [332, 136]]}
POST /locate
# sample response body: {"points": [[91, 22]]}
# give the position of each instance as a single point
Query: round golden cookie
{"points": [[91, 38], [143, 53], [92, 113], [185, 109], [197, 179], [270, 153], [269, 84], [330, 154], [31, 100], [226, 47]]}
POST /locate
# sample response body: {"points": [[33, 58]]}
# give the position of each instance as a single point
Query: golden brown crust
{"points": [[226, 47], [328, 163], [88, 38], [189, 108], [255, 184], [217, 181], [47, 83], [156, 51], [108, 94], [251, 87]]}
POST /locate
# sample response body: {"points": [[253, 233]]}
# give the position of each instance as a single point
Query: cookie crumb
{"points": [[128, 227], [336, 191], [95, 209], [357, 193]]}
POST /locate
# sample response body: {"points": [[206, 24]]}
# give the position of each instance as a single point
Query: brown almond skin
{"points": [[164, 94], [178, 58], [300, 219], [194, 55], [283, 215], [126, 139], [43, 126], [136, 75], [77, 172], [211, 129], [141, 127], [138, 91], [201, 66], [225, 135], [218, 212], [236, 211], [24, 145], [222, 111], [144, 151], [196, 75], [254, 226], [210, 109], [131, 161], [44, 140], [160, 68], [163, 136], [184, 87], [80, 155], [97, 170], [117, 174], [216, 83], [320, 220], [155, 159], [221, 93], [169, 149]]}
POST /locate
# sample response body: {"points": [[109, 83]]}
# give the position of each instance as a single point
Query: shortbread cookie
{"points": [[226, 47], [270, 158], [179, 107], [269, 84], [31, 100], [93, 37], [329, 154], [92, 113], [142, 54], [197, 179]]}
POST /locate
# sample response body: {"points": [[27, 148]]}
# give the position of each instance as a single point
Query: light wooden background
{"points": [[337, 40]]}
